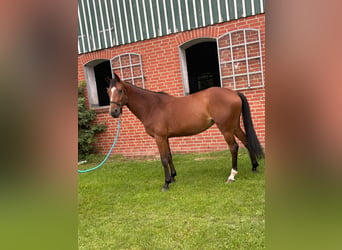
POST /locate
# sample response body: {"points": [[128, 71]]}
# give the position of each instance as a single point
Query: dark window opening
{"points": [[203, 66], [101, 71]]}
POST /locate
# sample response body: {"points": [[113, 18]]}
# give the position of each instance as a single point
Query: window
{"points": [[96, 71], [203, 67], [240, 59], [200, 65], [129, 68]]}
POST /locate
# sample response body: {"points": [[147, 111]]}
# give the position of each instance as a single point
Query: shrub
{"points": [[87, 129]]}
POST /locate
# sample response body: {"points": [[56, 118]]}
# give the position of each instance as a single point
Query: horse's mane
{"points": [[147, 90]]}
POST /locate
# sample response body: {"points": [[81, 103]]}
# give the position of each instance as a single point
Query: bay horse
{"points": [[165, 116]]}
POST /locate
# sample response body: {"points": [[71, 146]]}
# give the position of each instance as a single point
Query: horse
{"points": [[165, 116]]}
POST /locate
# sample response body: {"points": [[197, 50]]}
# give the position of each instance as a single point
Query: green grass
{"points": [[121, 205]]}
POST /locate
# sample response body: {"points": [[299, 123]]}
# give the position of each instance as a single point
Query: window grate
{"points": [[129, 67], [240, 59]]}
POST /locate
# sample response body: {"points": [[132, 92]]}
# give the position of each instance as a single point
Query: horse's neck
{"points": [[140, 102]]}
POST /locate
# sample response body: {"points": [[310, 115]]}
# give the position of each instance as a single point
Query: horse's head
{"points": [[117, 96]]}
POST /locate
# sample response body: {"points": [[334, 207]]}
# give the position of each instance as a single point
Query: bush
{"points": [[87, 129]]}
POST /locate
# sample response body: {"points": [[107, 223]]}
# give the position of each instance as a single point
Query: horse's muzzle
{"points": [[115, 113]]}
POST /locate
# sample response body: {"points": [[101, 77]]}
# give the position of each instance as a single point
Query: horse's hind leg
{"points": [[242, 137], [163, 147], [234, 148], [172, 167]]}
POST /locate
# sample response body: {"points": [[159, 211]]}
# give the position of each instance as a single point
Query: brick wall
{"points": [[162, 71]]}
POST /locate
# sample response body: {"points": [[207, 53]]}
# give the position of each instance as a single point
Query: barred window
{"points": [[129, 68], [240, 59]]}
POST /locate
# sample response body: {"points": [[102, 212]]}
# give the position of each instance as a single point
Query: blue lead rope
{"points": [[108, 154]]}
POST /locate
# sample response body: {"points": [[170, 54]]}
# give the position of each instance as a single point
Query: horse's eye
{"points": [[120, 91]]}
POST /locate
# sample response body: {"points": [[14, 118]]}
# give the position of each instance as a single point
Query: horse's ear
{"points": [[117, 78], [108, 80]]}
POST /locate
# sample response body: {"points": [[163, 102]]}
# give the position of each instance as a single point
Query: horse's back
{"points": [[192, 114], [203, 100], [219, 95], [211, 105]]}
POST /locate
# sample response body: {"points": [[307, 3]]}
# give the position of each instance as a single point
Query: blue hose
{"points": [[108, 154]]}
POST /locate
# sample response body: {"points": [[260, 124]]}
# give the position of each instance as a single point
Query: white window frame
{"points": [[130, 66], [91, 82], [183, 63], [245, 59]]}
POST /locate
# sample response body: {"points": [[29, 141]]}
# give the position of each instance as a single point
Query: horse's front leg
{"points": [[163, 147]]}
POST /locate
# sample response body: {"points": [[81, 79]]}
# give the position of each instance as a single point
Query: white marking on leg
{"points": [[232, 175]]}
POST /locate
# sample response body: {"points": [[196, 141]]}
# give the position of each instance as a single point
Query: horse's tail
{"points": [[253, 143]]}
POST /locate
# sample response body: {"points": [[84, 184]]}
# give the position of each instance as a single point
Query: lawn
{"points": [[121, 205]]}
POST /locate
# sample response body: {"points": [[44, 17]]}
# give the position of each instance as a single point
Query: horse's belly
{"points": [[186, 127]]}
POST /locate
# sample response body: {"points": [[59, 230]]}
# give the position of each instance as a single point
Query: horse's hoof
{"points": [[254, 170], [173, 180], [229, 181], [164, 189]]}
